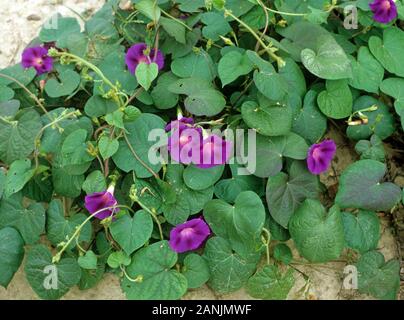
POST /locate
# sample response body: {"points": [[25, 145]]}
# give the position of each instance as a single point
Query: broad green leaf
{"points": [[75, 150], [95, 182], [30, 221], [285, 193], [367, 72], [233, 65], [18, 175], [138, 136], [283, 253], [6, 93], [146, 74], [197, 64], [162, 97], [378, 278], [59, 228], [395, 87], [69, 81], [372, 149], [215, 25], [153, 265], [150, 9], [268, 120], [188, 201], [294, 76], [381, 121], [24, 76], [65, 184], [336, 101], [11, 254], [196, 270], [389, 50], [360, 187], [118, 258], [17, 136], [277, 231], [270, 283], [241, 224], [203, 99], [362, 230], [318, 235], [58, 28], [200, 179], [88, 261], [3, 179], [228, 270], [98, 106], [132, 233], [174, 29], [108, 147], [50, 281]]}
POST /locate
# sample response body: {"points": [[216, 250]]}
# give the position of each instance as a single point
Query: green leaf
{"points": [[6, 93], [294, 76], [25, 76], [162, 97], [367, 72], [228, 270], [58, 28], [395, 87], [196, 270], [3, 180], [203, 99], [233, 65], [381, 121], [66, 184], [270, 284], [240, 223], [98, 106], [277, 231], [308, 121], [59, 228], [132, 233], [270, 83], [336, 101], [146, 74], [50, 281], [283, 253], [285, 193], [74, 149], [215, 25], [108, 147], [153, 264], [88, 261], [270, 152], [319, 237], [174, 29], [362, 230], [360, 187], [149, 8], [197, 64], [372, 149], [200, 179], [119, 258], [17, 137], [138, 136], [389, 50], [378, 278], [11, 254], [188, 201], [95, 182], [18, 175], [69, 81], [268, 120], [30, 221]]}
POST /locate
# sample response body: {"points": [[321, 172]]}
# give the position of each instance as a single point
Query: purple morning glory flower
{"points": [[99, 200], [184, 144], [320, 156], [38, 58], [181, 123], [189, 235], [136, 54], [384, 10], [215, 151]]}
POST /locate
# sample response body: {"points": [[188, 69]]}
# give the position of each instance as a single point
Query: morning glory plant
{"points": [[189, 144]]}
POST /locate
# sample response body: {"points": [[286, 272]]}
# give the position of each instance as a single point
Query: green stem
{"points": [[267, 242], [286, 13], [176, 20]]}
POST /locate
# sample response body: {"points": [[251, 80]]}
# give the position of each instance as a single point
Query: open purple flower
{"points": [[100, 200], [38, 58], [320, 156], [181, 123], [384, 11], [138, 54], [214, 152], [189, 235]]}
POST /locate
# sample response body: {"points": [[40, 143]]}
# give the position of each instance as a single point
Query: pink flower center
{"points": [[210, 146], [184, 139], [316, 153], [386, 5], [187, 232], [39, 61]]}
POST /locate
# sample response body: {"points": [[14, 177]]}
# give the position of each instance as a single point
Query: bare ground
{"points": [[20, 21]]}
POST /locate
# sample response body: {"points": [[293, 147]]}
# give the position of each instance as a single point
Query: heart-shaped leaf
{"points": [[318, 236], [196, 270], [69, 81], [88, 261], [233, 65], [132, 233], [11, 254], [336, 101], [98, 106], [200, 179], [146, 73], [195, 65], [18, 175], [372, 149], [108, 147], [95, 182], [153, 265], [50, 281], [360, 187], [162, 97]]}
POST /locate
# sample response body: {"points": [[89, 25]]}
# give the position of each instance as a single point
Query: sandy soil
{"points": [[20, 21]]}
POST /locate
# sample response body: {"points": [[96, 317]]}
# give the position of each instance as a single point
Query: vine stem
{"points": [[176, 20], [267, 242], [57, 257], [266, 23], [256, 36], [286, 13], [33, 96]]}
